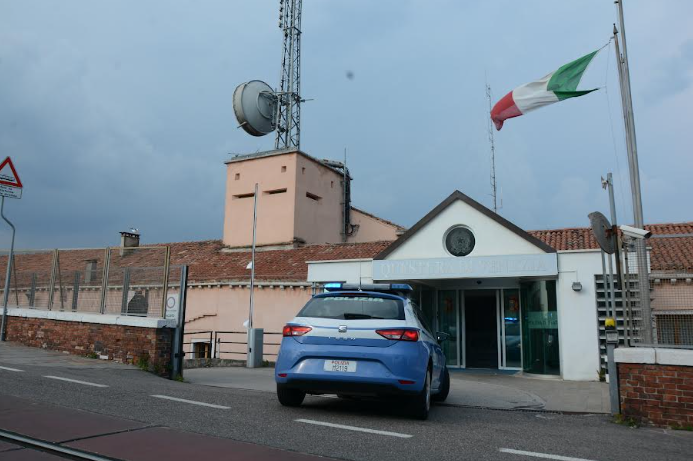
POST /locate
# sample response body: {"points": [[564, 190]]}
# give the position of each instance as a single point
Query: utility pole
{"points": [[634, 170], [255, 335], [612, 335]]}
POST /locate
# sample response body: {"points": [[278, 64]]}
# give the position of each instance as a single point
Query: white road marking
{"points": [[86, 383], [354, 428], [541, 455], [193, 402], [11, 369]]}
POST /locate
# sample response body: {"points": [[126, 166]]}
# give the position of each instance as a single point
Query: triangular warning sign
{"points": [[8, 175]]}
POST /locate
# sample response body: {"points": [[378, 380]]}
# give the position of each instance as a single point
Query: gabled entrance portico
{"points": [[484, 281]]}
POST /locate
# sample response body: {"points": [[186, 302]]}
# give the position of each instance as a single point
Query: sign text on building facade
{"points": [[541, 265]]}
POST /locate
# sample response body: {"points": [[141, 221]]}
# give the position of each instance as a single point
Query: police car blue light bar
{"points": [[391, 287]]}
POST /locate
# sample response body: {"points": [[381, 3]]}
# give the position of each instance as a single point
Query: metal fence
{"points": [[227, 344], [672, 309], [122, 281]]}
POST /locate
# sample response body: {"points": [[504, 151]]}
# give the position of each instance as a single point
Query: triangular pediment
{"points": [[493, 235]]}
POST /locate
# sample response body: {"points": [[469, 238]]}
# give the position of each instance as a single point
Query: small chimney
{"points": [[129, 239]]}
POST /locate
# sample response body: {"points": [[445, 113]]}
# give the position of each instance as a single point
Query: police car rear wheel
{"points": [[290, 397], [422, 402], [444, 387]]}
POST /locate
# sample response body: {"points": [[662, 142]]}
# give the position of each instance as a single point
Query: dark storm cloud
{"points": [[118, 114]]}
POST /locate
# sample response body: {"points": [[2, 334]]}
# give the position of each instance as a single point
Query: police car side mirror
{"points": [[442, 336]]}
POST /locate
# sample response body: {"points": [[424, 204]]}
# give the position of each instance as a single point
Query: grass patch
{"points": [[680, 427], [624, 421], [142, 362]]}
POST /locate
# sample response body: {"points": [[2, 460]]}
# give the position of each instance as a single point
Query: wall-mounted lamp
{"points": [[577, 286]]}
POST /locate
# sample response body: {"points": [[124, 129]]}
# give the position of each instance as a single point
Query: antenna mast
{"points": [[289, 104], [493, 152]]}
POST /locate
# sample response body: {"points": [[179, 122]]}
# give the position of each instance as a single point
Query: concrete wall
{"points": [[371, 229], [667, 296], [310, 209], [492, 239], [349, 271], [317, 221], [123, 339], [275, 223], [225, 308], [578, 327]]}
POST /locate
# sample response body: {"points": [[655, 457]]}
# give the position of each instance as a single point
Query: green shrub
{"points": [[142, 362]]}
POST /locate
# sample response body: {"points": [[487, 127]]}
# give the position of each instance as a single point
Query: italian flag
{"points": [[556, 86]]}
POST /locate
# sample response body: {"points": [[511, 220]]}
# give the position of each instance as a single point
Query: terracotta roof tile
{"points": [[670, 252], [208, 263]]}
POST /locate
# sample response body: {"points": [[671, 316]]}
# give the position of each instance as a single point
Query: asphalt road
{"points": [[451, 433]]}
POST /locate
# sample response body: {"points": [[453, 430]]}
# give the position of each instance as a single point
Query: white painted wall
{"points": [[578, 327], [492, 239], [347, 270]]}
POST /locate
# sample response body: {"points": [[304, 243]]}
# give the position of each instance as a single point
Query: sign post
{"points": [[10, 186]]}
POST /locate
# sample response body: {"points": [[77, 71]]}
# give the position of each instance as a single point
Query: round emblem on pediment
{"points": [[459, 241]]}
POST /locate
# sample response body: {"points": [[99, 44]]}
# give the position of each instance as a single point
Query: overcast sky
{"points": [[118, 114]]}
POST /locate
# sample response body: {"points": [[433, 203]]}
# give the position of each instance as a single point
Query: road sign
{"points": [[10, 184]]}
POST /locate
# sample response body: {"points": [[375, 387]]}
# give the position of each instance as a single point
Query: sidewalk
{"points": [[17, 354], [467, 388], [116, 438]]}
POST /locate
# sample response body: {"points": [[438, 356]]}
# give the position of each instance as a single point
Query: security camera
{"points": [[635, 232]]}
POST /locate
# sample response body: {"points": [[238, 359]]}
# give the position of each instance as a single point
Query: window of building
{"points": [[201, 349], [303, 170], [238, 176], [317, 198], [283, 169], [275, 191]]}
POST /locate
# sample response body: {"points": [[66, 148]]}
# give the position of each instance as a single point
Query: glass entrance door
{"points": [[540, 328], [481, 329], [448, 322], [511, 329]]}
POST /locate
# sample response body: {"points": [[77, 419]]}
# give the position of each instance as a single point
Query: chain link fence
{"points": [[672, 308], [117, 281], [663, 319]]}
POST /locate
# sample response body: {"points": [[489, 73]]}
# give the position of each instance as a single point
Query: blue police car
{"points": [[368, 340]]}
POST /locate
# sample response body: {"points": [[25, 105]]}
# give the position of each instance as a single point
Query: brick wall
{"points": [[661, 395], [126, 344]]}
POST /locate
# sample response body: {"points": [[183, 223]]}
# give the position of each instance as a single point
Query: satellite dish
{"points": [[255, 106], [601, 228]]}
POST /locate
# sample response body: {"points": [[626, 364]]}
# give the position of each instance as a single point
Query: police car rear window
{"points": [[353, 308]]}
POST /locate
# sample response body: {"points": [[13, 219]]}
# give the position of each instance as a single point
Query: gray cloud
{"points": [[118, 114]]}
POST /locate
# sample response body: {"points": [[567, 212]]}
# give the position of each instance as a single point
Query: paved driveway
{"points": [[467, 388]]}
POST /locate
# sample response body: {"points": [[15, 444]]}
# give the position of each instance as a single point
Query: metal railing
{"points": [[208, 344]]}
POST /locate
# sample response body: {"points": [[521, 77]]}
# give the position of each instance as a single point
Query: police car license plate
{"points": [[348, 366]]}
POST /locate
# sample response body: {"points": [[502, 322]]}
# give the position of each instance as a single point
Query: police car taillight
{"points": [[399, 334], [294, 330]]}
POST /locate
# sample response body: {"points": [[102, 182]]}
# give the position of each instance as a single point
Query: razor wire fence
{"points": [[118, 281]]}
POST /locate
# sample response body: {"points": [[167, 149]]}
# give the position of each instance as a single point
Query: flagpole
{"points": [[634, 170]]}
